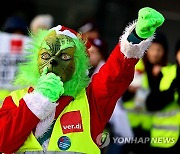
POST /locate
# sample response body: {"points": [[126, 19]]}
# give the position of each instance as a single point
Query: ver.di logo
{"points": [[103, 140]]}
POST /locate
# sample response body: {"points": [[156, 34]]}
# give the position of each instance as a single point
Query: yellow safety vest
{"points": [[165, 128], [138, 118], [3, 94], [71, 132], [163, 125]]}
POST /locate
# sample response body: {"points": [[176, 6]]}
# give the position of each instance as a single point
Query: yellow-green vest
{"points": [[138, 118], [3, 94], [75, 142], [165, 124]]}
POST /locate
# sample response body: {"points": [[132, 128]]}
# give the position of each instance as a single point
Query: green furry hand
{"points": [[50, 86], [148, 21]]}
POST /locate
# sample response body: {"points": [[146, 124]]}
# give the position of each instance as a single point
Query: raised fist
{"points": [[148, 21], [50, 86]]}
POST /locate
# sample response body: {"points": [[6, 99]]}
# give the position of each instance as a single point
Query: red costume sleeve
{"points": [[106, 87], [16, 123]]}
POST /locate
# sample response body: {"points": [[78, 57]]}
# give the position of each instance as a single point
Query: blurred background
{"points": [[106, 20], [111, 15]]}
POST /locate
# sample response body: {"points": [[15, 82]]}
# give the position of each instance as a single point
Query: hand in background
{"points": [[156, 70]]}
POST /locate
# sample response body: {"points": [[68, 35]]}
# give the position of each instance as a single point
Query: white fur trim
{"points": [[39, 105], [44, 125], [45, 145], [133, 50], [64, 32]]}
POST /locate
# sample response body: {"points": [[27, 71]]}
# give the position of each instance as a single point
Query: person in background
{"points": [[177, 52], [98, 51], [147, 74], [164, 102], [98, 55], [90, 29], [13, 25], [41, 21]]}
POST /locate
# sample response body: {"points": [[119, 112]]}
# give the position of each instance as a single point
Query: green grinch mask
{"points": [[57, 54], [47, 45]]}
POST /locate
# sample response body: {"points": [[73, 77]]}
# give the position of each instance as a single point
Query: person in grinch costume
{"points": [[60, 111]]}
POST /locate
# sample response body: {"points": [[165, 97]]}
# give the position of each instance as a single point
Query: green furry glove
{"points": [[50, 86], [148, 21]]}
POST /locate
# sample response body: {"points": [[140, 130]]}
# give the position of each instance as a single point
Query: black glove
{"points": [[175, 85]]}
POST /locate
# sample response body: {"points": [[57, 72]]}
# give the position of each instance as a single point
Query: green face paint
{"points": [[57, 53]]}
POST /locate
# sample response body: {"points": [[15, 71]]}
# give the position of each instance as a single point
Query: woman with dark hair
{"points": [[167, 108], [160, 49], [147, 79]]}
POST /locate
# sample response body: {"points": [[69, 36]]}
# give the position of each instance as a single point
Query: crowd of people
{"points": [[149, 108]]}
